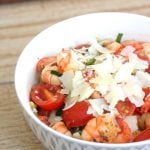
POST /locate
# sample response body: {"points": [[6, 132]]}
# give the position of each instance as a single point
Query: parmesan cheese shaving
{"points": [[132, 123], [144, 78], [134, 92], [66, 80], [114, 95], [137, 62], [98, 106], [81, 89]]}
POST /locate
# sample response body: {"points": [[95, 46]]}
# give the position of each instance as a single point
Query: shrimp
{"points": [[47, 77], [144, 121], [45, 61], [60, 127], [65, 62], [125, 135], [104, 129], [146, 106], [114, 47]]}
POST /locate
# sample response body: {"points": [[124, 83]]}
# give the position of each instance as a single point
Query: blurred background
{"points": [[20, 21]]}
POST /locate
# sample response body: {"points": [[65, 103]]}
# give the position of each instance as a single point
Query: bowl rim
{"points": [[48, 129]]}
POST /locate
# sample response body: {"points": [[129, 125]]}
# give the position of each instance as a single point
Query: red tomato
{"points": [[77, 116], [125, 108], [44, 119], [47, 96], [144, 135]]}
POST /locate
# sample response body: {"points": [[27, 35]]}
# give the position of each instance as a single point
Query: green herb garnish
{"points": [[90, 61], [119, 37], [56, 73], [60, 111]]}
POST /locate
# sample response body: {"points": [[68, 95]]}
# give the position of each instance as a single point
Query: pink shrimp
{"points": [[60, 127], [65, 62], [45, 61], [48, 77], [103, 129]]}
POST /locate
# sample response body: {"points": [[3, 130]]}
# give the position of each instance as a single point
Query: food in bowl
{"points": [[97, 91]]}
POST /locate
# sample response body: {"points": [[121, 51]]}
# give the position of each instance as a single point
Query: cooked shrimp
{"points": [[47, 77], [144, 121], [125, 135], [100, 129], [60, 127], [65, 61], [114, 46], [45, 61], [146, 106], [103, 129]]}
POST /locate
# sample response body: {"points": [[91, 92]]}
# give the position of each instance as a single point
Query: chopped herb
{"points": [[119, 37], [77, 129], [59, 111], [90, 61], [56, 73]]}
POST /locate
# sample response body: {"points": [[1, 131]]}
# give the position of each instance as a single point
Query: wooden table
{"points": [[19, 23]]}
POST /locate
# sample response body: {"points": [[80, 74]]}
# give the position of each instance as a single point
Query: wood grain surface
{"points": [[19, 23]]}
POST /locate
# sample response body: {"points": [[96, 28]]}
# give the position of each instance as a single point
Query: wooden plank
{"points": [[14, 132]]}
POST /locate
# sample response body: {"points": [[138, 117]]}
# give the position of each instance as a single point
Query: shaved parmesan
{"points": [[132, 123], [134, 92], [124, 73], [96, 47], [81, 89], [102, 83], [66, 80], [137, 62], [97, 105], [114, 95], [105, 67], [144, 78]]}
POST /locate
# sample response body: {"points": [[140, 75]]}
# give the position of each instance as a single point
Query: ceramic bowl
{"points": [[68, 33]]}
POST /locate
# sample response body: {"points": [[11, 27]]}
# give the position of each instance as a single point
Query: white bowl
{"points": [[65, 34]]}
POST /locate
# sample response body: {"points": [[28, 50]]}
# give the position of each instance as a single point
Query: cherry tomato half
{"points": [[47, 96], [144, 135], [77, 116], [125, 108]]}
